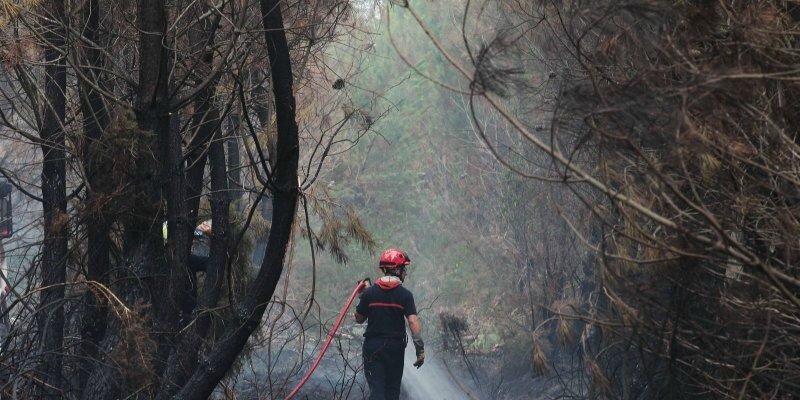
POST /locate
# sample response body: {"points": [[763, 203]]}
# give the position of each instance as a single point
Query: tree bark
{"points": [[183, 360], [235, 163], [95, 122], [54, 196], [206, 144], [143, 278], [161, 178], [205, 120]]}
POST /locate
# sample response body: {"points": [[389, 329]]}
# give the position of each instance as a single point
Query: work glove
{"points": [[420, 359], [419, 347], [363, 288]]}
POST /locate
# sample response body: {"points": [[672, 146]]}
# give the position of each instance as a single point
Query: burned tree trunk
{"points": [[207, 144], [54, 198], [141, 277], [234, 165], [162, 180], [95, 122], [248, 313], [205, 120]]}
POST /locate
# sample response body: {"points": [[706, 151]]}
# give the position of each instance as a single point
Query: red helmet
{"points": [[394, 258]]}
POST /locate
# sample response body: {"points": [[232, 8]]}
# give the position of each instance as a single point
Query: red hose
{"points": [[328, 341]]}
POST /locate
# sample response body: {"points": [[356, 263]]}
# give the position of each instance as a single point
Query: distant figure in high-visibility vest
{"points": [[386, 306]]}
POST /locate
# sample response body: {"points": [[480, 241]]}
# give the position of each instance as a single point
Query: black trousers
{"points": [[197, 263], [383, 366]]}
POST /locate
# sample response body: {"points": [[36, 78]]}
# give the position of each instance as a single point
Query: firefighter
{"points": [[385, 306]]}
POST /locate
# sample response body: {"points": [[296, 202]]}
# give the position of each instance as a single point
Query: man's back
{"points": [[386, 306]]}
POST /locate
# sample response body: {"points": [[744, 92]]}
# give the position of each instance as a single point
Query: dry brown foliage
{"points": [[675, 123]]}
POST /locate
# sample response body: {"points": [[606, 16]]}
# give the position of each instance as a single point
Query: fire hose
{"points": [[303, 381]]}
